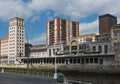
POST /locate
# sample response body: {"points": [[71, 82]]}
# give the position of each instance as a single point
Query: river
{"points": [[96, 79]]}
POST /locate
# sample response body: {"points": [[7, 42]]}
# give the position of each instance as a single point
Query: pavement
{"points": [[18, 79]]}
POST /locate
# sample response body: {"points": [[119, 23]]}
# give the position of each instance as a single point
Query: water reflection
{"points": [[96, 79]]}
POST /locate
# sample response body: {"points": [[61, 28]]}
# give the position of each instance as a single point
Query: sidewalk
{"points": [[17, 79]]}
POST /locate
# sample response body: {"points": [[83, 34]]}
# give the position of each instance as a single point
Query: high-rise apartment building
{"points": [[60, 29], [106, 21], [4, 49], [16, 39]]}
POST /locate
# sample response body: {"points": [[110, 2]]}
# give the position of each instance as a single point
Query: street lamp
{"points": [[55, 74], [57, 49], [2, 70]]}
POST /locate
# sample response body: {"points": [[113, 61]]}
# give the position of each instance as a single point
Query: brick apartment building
{"points": [[60, 29]]}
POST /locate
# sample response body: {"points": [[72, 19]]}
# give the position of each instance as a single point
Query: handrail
{"points": [[66, 81]]}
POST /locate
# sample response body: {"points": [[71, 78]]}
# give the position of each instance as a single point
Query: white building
{"points": [[86, 38], [16, 39], [38, 51], [4, 50]]}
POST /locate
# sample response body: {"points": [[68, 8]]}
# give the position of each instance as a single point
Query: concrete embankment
{"points": [[74, 69]]}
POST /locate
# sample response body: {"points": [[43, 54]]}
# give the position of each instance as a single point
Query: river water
{"points": [[96, 79]]}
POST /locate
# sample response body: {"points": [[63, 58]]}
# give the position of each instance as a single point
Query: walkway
{"points": [[17, 79]]}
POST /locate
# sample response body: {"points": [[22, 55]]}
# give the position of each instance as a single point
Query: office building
{"points": [[61, 30], [16, 39]]}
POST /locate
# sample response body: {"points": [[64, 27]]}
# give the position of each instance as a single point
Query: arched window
{"points": [[106, 48], [94, 48]]}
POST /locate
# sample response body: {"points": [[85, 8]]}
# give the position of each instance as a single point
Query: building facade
{"points": [[38, 51], [87, 38], [93, 53], [106, 21], [60, 29], [16, 39], [4, 49], [115, 38]]}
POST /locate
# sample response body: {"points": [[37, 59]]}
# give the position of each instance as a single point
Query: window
{"points": [[94, 48], [91, 60], [96, 60], [106, 48], [74, 47], [100, 49]]}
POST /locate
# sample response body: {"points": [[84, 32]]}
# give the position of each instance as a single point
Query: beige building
{"points": [[4, 49], [60, 29], [87, 38], [16, 39]]}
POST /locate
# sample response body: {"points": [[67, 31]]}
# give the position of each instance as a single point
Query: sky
{"points": [[36, 13]]}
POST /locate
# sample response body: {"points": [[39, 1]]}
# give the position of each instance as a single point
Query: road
{"points": [[17, 79]]}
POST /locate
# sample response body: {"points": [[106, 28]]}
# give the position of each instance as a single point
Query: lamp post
{"points": [[55, 74], [28, 65], [57, 49], [2, 70], [28, 55]]}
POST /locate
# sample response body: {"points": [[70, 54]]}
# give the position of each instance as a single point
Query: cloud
{"points": [[86, 28], [10, 7], [118, 19], [73, 8], [39, 40]]}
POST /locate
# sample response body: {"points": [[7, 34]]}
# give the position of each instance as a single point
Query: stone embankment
{"points": [[72, 68]]}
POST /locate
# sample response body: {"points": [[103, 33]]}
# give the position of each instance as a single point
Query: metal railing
{"points": [[42, 75], [31, 73], [66, 81]]}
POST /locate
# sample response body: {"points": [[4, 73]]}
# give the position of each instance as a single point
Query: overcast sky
{"points": [[37, 12]]}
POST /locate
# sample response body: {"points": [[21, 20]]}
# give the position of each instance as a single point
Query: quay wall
{"points": [[70, 68]]}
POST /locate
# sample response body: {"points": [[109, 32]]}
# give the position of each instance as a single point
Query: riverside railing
{"points": [[66, 81], [43, 75], [31, 73]]}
